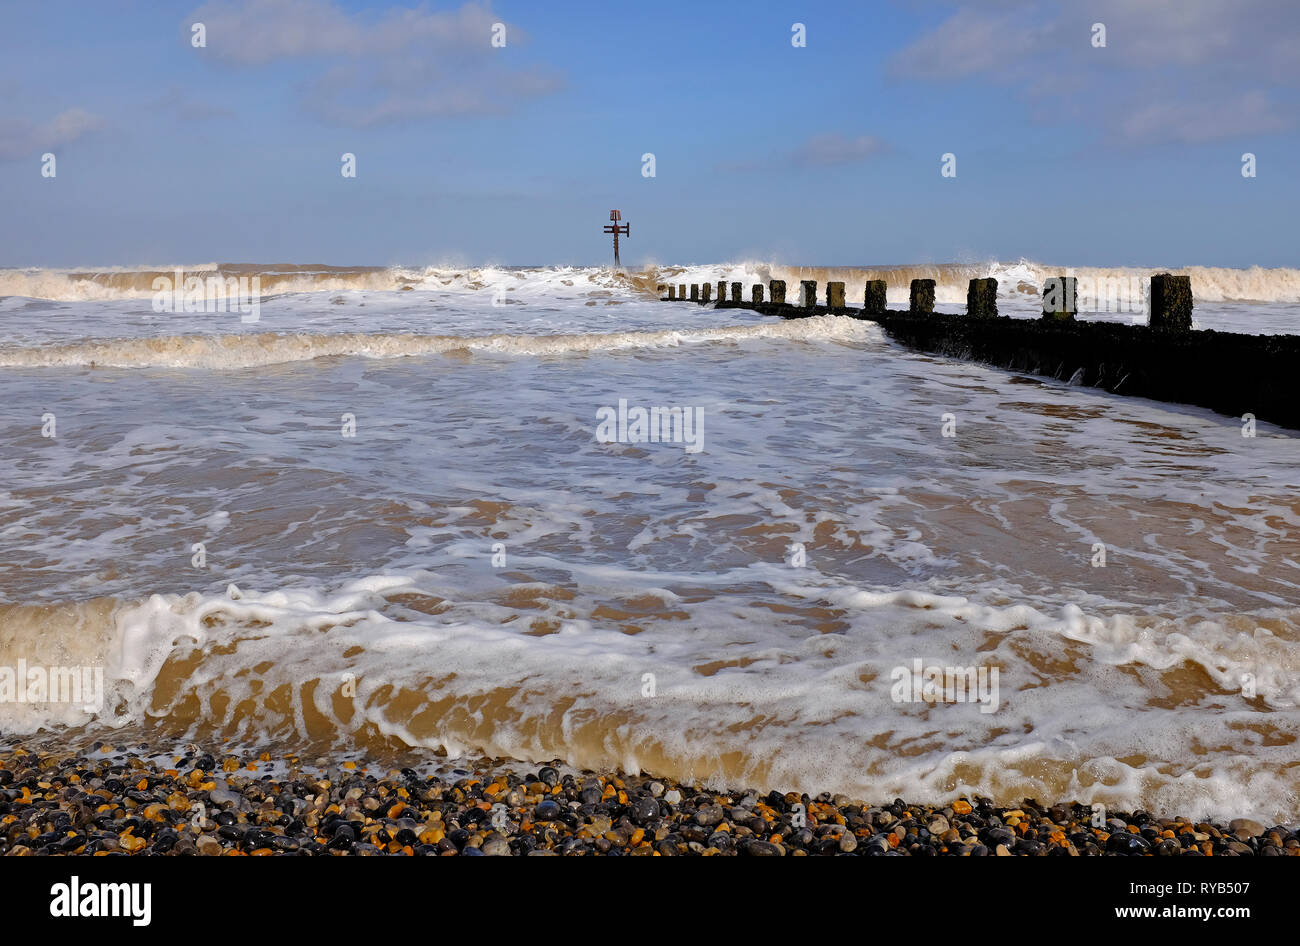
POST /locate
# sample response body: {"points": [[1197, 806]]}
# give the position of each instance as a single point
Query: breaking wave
{"points": [[234, 351], [1209, 283], [276, 666]]}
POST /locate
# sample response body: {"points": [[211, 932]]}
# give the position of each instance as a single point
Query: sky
{"points": [[826, 153]]}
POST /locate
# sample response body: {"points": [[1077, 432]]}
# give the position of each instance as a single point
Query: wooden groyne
{"points": [[1165, 360]]}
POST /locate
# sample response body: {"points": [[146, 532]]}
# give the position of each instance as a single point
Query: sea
{"points": [[535, 513]]}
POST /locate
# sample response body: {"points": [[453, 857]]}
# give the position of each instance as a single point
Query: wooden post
{"points": [[735, 292], [873, 300], [756, 294], [706, 292], [835, 295], [777, 288], [1060, 298], [722, 292], [982, 298], [808, 292], [672, 292], [1171, 303], [663, 290], [695, 292], [922, 296], [681, 291]]}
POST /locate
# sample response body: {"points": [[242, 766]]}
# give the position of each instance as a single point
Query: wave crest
{"points": [[234, 351], [1209, 283]]}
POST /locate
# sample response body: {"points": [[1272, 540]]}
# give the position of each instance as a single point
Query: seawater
{"points": [[412, 537]]}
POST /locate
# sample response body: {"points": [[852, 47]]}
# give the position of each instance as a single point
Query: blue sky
{"points": [[827, 154]]}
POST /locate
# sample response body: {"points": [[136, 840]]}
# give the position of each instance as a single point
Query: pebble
{"points": [[644, 809], [1245, 829], [140, 804], [710, 815]]}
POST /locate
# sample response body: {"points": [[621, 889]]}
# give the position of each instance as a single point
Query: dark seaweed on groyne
{"points": [[1231, 373]]}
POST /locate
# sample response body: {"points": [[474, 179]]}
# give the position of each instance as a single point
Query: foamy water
{"points": [[473, 571]]}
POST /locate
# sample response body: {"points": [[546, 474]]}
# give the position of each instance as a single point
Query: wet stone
{"points": [[1244, 828], [643, 809], [547, 811], [710, 815]]}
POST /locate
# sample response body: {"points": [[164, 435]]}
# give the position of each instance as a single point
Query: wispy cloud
{"points": [[404, 65], [834, 148], [1171, 71], [180, 106], [831, 149], [1204, 120], [20, 138]]}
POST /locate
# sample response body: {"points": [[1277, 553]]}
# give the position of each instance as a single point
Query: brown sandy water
{"points": [[473, 573]]}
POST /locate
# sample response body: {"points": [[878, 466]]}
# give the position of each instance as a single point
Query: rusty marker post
{"points": [[626, 229]]}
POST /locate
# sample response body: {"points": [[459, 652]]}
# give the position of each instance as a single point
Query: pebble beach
{"points": [[111, 801]]}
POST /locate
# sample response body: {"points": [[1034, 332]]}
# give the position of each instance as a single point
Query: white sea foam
{"points": [[815, 711], [254, 350], [475, 418], [1210, 283]]}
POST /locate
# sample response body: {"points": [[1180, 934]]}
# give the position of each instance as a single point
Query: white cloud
{"points": [[180, 106], [1205, 120], [257, 32], [406, 64], [971, 42], [834, 148], [20, 138], [1172, 70], [820, 151]]}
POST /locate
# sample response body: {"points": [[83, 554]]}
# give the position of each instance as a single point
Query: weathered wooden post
{"points": [[873, 300], [695, 292], [736, 293], [982, 298], [1060, 298], [672, 292], [757, 293], [835, 295], [722, 291], [922, 296], [706, 292], [681, 291], [1171, 303], [808, 292], [777, 288]]}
